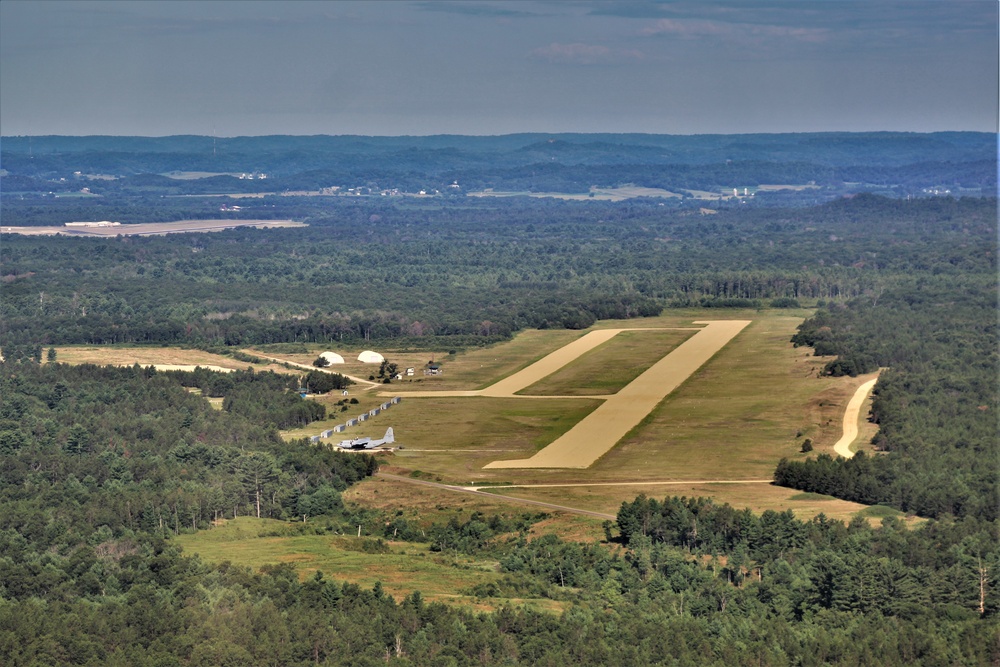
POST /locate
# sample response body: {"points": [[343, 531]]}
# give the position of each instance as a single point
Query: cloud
{"points": [[584, 54], [472, 9], [699, 28]]}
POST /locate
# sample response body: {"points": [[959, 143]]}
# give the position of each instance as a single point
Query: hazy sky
{"points": [[491, 67]]}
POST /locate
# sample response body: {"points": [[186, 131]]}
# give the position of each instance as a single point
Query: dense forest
{"points": [[101, 468], [366, 272], [936, 405]]}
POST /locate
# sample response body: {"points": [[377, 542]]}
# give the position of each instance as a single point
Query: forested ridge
{"points": [[836, 163]]}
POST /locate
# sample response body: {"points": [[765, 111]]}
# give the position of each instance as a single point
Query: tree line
{"points": [[480, 273], [936, 405]]}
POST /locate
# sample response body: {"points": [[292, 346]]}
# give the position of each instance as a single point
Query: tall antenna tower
{"points": [[213, 141]]}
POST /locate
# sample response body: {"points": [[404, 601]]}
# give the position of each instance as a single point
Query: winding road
{"points": [[843, 446], [366, 384]]}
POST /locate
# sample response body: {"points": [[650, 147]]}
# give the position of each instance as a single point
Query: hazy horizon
{"points": [[425, 68]]}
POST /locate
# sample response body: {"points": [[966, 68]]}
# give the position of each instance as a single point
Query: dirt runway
{"points": [[599, 431], [544, 367]]}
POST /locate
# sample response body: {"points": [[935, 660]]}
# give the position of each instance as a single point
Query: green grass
{"points": [[609, 367], [881, 512], [407, 566], [735, 418], [456, 437], [811, 496]]}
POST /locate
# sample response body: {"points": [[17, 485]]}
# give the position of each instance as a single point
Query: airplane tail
{"points": [[389, 438]]}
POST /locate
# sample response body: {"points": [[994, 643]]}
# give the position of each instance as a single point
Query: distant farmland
{"points": [[150, 228]]}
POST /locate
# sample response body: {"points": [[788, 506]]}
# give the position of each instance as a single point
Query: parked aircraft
{"points": [[368, 443]]}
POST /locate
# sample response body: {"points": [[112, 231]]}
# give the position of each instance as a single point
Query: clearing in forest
{"points": [[753, 403], [601, 430]]}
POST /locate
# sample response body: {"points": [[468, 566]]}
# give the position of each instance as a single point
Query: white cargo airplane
{"points": [[368, 443]]}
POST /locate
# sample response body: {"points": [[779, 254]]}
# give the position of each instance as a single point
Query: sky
{"points": [[487, 67]]}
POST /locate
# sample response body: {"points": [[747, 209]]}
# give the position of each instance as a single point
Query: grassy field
{"points": [[427, 505], [760, 497], [406, 567], [456, 437], [145, 356], [733, 419], [612, 365], [472, 369], [752, 404]]}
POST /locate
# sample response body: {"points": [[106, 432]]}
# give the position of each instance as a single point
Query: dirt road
{"points": [[365, 384], [685, 482], [843, 446]]}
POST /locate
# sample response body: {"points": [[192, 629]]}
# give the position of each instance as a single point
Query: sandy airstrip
{"points": [[619, 413]]}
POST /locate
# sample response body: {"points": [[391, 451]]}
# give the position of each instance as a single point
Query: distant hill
{"points": [[908, 162]]}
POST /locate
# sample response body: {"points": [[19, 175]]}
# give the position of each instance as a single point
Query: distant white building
{"points": [[332, 358], [369, 357]]}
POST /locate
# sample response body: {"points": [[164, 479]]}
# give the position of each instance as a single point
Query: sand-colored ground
{"points": [[592, 437], [526, 377], [595, 194], [843, 446], [151, 228], [162, 358]]}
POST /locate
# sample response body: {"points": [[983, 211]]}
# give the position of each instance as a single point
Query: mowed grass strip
{"points": [[610, 366], [408, 566], [455, 437], [751, 405]]}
